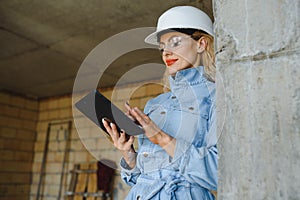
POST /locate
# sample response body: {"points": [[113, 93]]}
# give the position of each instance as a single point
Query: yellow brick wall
{"points": [[24, 124], [86, 143], [18, 118], [54, 116]]}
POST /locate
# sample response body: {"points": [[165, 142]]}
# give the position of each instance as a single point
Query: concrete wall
{"points": [[258, 60], [18, 117]]}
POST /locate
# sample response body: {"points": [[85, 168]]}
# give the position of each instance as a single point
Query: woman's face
{"points": [[179, 51]]}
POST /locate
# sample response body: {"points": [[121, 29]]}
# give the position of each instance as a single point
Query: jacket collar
{"points": [[187, 77]]}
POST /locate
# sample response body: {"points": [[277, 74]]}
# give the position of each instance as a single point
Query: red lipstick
{"points": [[170, 61]]}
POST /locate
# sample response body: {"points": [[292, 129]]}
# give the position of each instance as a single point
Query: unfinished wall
{"points": [[84, 145], [18, 117], [58, 112], [258, 55]]}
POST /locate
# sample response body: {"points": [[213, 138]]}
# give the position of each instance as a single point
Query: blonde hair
{"points": [[207, 59]]}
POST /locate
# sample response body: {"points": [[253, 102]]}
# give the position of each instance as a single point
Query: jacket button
{"points": [[162, 112], [173, 97], [145, 154], [191, 108]]}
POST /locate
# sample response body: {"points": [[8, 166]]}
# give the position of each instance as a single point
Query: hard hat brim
{"points": [[152, 38]]}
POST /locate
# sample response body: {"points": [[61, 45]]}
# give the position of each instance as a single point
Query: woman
{"points": [[177, 155]]}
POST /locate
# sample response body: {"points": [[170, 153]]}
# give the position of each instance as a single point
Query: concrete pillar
{"points": [[258, 56]]}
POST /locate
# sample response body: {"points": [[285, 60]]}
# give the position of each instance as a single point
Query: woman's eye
{"points": [[176, 44]]}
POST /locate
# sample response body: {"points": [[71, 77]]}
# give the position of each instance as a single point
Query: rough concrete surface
{"points": [[258, 60]]}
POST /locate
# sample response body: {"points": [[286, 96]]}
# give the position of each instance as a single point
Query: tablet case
{"points": [[96, 107]]}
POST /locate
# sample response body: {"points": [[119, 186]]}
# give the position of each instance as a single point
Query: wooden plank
{"points": [[81, 182], [73, 181]]}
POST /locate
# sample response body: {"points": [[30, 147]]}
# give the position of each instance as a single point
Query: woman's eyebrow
{"points": [[174, 36], [168, 40]]}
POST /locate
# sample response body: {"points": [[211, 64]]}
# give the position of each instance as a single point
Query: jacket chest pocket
{"points": [[159, 115], [153, 161], [188, 122]]}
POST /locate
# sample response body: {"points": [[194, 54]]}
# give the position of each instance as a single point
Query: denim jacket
{"points": [[187, 113]]}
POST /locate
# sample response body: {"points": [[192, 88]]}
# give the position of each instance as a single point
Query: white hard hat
{"points": [[182, 17]]}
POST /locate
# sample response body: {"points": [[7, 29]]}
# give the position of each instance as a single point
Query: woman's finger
{"points": [[127, 106], [129, 142], [143, 118], [140, 112], [122, 138], [106, 125], [111, 129], [138, 117], [114, 133], [128, 111]]}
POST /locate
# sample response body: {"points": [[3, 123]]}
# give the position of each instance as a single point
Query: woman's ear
{"points": [[202, 44]]}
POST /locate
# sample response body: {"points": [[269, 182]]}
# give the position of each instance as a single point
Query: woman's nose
{"points": [[166, 52]]}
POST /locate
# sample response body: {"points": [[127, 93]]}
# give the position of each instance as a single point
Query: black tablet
{"points": [[96, 107]]}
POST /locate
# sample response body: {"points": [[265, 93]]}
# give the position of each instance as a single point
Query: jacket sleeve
{"points": [[129, 176], [199, 164]]}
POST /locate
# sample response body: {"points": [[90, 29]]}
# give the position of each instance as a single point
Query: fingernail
{"points": [[103, 120], [111, 124], [127, 103]]}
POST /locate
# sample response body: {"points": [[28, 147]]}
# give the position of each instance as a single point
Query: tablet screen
{"points": [[96, 107]]}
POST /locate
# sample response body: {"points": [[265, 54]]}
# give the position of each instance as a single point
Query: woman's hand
{"points": [[122, 143], [153, 132]]}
